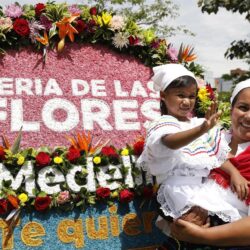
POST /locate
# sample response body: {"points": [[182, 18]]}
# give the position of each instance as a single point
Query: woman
{"points": [[236, 233]]}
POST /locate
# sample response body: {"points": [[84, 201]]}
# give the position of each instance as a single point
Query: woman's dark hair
{"points": [[180, 82]]}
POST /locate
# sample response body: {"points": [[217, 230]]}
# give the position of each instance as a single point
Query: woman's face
{"points": [[240, 116]]}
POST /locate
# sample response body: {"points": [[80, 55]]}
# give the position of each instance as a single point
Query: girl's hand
{"points": [[239, 185], [212, 117]]}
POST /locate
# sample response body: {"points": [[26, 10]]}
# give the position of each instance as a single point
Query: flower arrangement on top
{"points": [[51, 25]]}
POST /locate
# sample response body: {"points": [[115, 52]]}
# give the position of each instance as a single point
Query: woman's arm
{"points": [[232, 234]]}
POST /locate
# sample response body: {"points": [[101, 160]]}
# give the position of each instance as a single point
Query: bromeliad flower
{"points": [[120, 40], [66, 29], [186, 54]]}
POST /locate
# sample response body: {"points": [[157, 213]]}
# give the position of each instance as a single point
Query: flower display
{"points": [[23, 197], [103, 192], [42, 203], [126, 196], [42, 159], [83, 24]]}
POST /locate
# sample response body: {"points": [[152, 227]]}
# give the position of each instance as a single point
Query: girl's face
{"points": [[240, 116], [180, 101]]}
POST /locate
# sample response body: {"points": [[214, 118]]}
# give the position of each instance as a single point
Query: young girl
{"points": [[180, 151]]}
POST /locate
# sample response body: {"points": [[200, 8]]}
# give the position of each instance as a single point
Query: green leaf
{"points": [[16, 145]]}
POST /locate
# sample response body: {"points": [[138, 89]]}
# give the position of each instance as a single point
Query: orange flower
{"points": [[13, 200], [66, 29], [84, 142], [186, 54], [43, 40]]}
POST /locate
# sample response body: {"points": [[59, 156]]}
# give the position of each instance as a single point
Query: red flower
{"points": [[138, 147], [210, 91], [39, 8], [109, 152], [21, 27], [103, 192], [126, 196], [42, 203], [80, 26], [93, 11], [42, 159], [2, 154], [148, 192], [133, 40], [3, 206], [73, 154]]}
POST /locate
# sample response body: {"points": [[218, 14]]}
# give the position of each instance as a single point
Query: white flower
{"points": [[120, 40], [117, 22], [5, 24]]}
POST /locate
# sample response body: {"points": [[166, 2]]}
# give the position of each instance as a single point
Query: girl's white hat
{"points": [[240, 86], [165, 74]]}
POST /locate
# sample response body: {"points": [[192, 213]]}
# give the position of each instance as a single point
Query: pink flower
{"points": [[73, 9], [45, 22], [13, 11], [63, 197], [173, 54]]}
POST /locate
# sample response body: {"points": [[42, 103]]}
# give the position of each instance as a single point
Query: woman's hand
{"points": [[212, 117], [187, 231], [239, 185]]}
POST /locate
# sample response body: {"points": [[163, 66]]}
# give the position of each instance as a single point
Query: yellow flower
{"points": [[125, 152], [58, 160], [97, 160], [106, 18], [149, 35], [23, 197], [98, 20], [20, 160], [114, 194], [203, 94]]}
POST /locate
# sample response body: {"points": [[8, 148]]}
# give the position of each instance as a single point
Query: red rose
{"points": [[2, 154], [3, 206], [103, 192], [109, 152], [148, 192], [42, 203], [73, 154], [126, 196], [39, 8], [138, 147], [21, 27], [93, 11], [133, 40], [80, 26], [42, 159]]}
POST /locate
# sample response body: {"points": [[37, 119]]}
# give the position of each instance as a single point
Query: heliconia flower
{"points": [[125, 152], [97, 160], [120, 40], [5, 24], [13, 11], [73, 9], [117, 22]]}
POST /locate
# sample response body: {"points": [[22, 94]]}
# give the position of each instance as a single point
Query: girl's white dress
{"points": [[181, 173], [226, 194]]}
